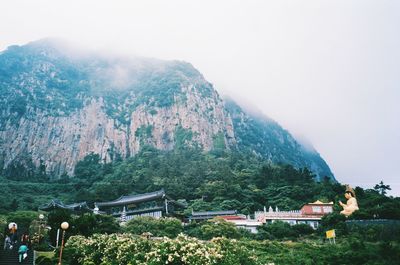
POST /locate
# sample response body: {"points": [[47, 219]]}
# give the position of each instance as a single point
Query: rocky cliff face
{"points": [[60, 142], [199, 119], [39, 122], [57, 107]]}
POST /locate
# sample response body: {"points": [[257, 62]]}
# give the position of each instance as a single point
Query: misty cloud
{"points": [[327, 70]]}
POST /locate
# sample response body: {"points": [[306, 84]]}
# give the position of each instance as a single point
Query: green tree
{"points": [[3, 224], [334, 221], [303, 229], [277, 230], [88, 224], [23, 219], [54, 220], [169, 227], [382, 188], [218, 227], [90, 168]]}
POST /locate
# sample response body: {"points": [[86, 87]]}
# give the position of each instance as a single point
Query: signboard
{"points": [[330, 233]]}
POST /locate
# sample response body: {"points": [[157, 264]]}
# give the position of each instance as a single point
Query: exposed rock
{"points": [[56, 108], [60, 142]]}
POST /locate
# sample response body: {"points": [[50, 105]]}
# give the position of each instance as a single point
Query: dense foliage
{"points": [[216, 227], [355, 243], [128, 249], [206, 181], [169, 227], [217, 180]]}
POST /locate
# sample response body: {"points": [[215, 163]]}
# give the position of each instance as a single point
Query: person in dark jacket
{"points": [[7, 243]]}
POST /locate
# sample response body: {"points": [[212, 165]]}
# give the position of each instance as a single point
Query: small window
{"points": [[316, 209]]}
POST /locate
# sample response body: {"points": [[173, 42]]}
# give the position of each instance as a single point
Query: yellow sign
{"points": [[330, 233]]}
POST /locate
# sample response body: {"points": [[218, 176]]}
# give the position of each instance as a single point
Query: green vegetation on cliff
{"points": [[47, 86], [207, 181]]}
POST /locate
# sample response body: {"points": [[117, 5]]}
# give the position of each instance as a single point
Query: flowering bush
{"points": [[121, 249], [233, 252], [183, 250], [102, 249]]}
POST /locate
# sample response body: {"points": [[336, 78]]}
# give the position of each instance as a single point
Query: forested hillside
{"points": [[220, 180]]}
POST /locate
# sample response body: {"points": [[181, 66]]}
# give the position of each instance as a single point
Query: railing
{"points": [[294, 213], [139, 211]]}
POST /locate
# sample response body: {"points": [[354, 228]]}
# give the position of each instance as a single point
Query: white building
{"points": [[310, 213]]}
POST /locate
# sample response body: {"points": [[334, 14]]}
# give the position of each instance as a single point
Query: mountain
{"points": [[265, 137], [58, 104]]}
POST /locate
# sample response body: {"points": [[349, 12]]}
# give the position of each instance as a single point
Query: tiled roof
{"points": [[57, 204], [214, 213], [138, 198], [319, 202], [233, 217]]}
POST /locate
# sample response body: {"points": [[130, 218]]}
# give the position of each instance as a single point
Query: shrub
{"points": [[278, 230], [218, 227], [183, 250], [89, 224], [121, 249], [303, 229], [22, 218], [114, 249], [44, 261], [334, 221], [169, 227]]}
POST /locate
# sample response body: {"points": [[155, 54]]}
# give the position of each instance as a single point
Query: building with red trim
{"points": [[310, 213]]}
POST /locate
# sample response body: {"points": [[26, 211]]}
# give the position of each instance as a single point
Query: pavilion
{"points": [[57, 204], [155, 204]]}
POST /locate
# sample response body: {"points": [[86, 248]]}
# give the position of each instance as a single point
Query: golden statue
{"points": [[351, 204]]}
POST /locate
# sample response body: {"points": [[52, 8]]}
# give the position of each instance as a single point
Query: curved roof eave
{"points": [[123, 200]]}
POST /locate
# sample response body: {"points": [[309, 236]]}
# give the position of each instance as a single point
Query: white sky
{"points": [[328, 71]]}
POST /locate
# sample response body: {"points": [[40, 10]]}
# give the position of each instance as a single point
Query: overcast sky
{"points": [[328, 71]]}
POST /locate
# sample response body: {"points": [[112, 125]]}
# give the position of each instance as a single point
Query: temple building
{"points": [[310, 213], [80, 207], [155, 204], [241, 221], [202, 216]]}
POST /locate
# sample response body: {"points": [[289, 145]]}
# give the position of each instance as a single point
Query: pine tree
{"points": [[382, 188]]}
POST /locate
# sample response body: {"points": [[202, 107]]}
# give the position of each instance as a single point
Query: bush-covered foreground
{"points": [[215, 241], [120, 249]]}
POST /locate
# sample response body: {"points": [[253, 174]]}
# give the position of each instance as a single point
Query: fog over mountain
{"points": [[327, 71]]}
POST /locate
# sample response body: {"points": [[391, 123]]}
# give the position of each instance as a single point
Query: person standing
{"points": [[13, 233], [7, 243], [22, 252], [26, 240]]}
